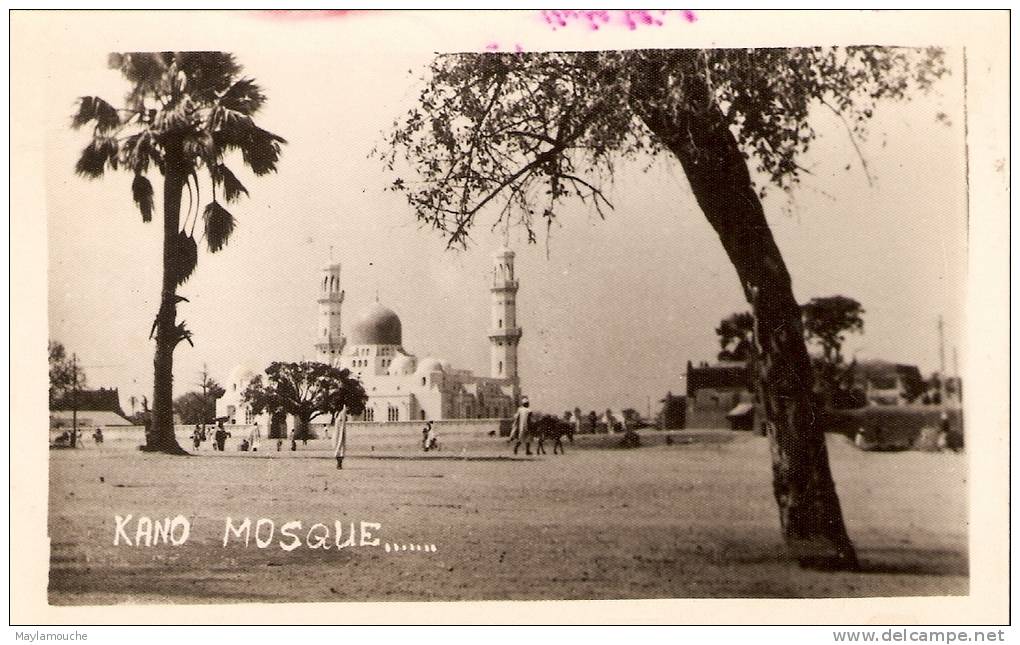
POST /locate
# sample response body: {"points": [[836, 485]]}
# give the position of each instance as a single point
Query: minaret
{"points": [[329, 342], [504, 334]]}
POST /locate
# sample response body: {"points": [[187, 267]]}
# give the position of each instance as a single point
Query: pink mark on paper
{"points": [[598, 18], [307, 14], [495, 47]]}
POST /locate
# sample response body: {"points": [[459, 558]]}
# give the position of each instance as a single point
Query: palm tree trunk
{"points": [[161, 436], [698, 133]]}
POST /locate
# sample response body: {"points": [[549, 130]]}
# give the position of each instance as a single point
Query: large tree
{"points": [[517, 134], [305, 390], [183, 114]]}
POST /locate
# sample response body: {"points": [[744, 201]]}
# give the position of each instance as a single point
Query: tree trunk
{"points": [[695, 130], [160, 437]]}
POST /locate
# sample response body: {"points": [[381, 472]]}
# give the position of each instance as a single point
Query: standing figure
{"points": [[97, 436], [429, 438], [521, 430], [341, 439], [610, 421], [221, 437], [255, 437], [593, 420], [196, 437], [577, 425]]}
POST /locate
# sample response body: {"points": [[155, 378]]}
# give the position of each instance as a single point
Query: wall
{"points": [[362, 437]]}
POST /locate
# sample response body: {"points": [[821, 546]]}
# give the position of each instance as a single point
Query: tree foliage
{"points": [[199, 406], [196, 102], [305, 390], [65, 373], [520, 133], [736, 337], [828, 320]]}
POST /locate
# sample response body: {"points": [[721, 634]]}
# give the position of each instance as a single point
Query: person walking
{"points": [[196, 437], [521, 429]]}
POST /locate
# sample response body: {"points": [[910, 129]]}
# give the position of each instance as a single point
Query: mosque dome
{"points": [[377, 325], [429, 365], [503, 252], [402, 364]]}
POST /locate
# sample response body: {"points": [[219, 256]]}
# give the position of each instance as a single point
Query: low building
{"points": [[89, 409], [714, 391]]}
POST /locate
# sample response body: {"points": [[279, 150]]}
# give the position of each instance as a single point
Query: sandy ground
{"points": [[665, 521]]}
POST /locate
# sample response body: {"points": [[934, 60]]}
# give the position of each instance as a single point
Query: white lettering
{"points": [[286, 531], [244, 527], [258, 533], [318, 541], [161, 530], [339, 531], [121, 522], [366, 533], [144, 529], [185, 525]]}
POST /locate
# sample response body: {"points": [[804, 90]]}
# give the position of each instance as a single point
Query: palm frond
{"points": [[244, 96], [219, 224], [94, 108], [232, 188], [136, 151], [185, 257], [141, 190], [259, 148], [94, 158], [262, 151]]}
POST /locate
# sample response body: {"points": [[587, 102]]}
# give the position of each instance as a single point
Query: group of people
{"points": [[72, 437], [526, 428], [220, 435]]}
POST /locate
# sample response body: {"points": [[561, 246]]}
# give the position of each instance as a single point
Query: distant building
{"points": [[400, 386], [714, 391], [93, 408]]}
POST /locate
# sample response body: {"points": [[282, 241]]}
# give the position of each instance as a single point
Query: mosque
{"points": [[400, 386]]}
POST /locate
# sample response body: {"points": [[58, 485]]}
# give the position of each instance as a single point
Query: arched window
{"points": [[423, 380], [500, 323], [500, 367]]}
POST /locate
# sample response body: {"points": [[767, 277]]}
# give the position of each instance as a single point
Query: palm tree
{"points": [[183, 114]]}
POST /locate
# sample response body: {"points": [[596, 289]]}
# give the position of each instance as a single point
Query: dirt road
{"points": [[667, 521]]}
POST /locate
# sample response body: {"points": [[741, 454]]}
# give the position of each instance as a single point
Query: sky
{"points": [[611, 310]]}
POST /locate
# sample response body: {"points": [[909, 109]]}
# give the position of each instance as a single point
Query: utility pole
{"points": [[942, 362], [74, 400], [204, 384]]}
